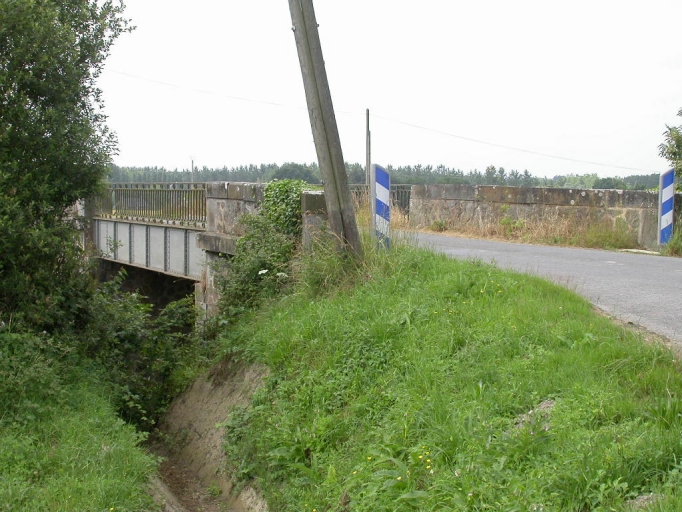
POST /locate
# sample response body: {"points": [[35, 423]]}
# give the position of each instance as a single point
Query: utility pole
{"points": [[368, 146], [323, 123]]}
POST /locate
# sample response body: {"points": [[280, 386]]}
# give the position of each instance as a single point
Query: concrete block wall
{"points": [[484, 205]]}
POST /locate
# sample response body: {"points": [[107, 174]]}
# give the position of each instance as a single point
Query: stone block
{"points": [[313, 201], [217, 242]]}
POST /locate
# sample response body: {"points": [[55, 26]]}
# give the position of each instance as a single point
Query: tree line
{"points": [[410, 174]]}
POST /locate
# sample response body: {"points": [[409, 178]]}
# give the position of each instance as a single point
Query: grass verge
{"points": [[79, 456], [417, 382]]}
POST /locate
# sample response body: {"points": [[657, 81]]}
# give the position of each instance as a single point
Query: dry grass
{"points": [[399, 219], [569, 231]]}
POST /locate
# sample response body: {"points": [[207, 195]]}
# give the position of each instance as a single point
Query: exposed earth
{"points": [[194, 476]]}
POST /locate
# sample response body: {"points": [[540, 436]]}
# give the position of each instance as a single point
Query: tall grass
{"points": [[415, 382], [557, 230], [80, 457], [674, 245]]}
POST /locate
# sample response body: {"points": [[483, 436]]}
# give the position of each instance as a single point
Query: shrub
{"points": [[260, 266], [140, 354]]}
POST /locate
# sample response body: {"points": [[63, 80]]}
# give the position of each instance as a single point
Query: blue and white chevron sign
{"points": [[666, 206], [382, 204]]}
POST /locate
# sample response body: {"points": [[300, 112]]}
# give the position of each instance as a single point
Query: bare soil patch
{"points": [[194, 472]]}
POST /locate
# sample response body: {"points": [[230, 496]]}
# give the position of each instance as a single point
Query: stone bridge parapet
{"points": [[485, 205]]}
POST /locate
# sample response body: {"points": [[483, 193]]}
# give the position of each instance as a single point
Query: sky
{"points": [[555, 88]]}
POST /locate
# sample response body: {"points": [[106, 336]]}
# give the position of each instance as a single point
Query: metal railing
{"points": [[400, 195], [157, 203]]}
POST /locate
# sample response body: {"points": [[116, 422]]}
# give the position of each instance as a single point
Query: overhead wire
{"points": [[386, 119]]}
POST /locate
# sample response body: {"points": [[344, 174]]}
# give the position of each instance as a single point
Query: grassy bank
{"points": [[68, 451], [423, 383]]}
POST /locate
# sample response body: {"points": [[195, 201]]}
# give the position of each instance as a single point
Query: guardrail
{"points": [[182, 204]]}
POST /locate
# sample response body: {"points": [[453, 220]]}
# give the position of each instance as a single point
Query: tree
{"points": [[610, 184], [54, 147], [671, 149], [293, 171]]}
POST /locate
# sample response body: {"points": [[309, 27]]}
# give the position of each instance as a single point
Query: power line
{"points": [[205, 91], [387, 119], [528, 151]]}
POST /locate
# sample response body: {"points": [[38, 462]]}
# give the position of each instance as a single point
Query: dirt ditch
{"points": [[193, 476]]}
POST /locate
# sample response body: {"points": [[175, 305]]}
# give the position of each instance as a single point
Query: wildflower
{"points": [[399, 478], [264, 271]]}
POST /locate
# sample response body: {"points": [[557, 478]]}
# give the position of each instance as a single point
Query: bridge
{"points": [[180, 229], [152, 226], [174, 229]]}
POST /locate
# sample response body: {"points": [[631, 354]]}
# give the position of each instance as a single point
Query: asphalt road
{"points": [[640, 288]]}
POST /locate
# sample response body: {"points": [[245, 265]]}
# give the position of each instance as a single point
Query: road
{"points": [[643, 289]]}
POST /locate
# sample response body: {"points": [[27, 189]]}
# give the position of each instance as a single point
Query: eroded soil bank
{"points": [[193, 474]]}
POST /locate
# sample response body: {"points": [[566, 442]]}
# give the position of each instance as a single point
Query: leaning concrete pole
{"points": [[323, 122]]}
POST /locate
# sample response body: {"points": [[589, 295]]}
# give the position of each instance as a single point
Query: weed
{"points": [[439, 226], [674, 245]]}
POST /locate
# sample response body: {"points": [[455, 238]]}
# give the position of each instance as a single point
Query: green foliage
{"points": [[436, 384], [143, 356], [674, 245], [54, 149], [610, 183], [260, 267], [439, 226], [406, 174], [282, 205], [671, 148], [45, 283], [293, 171], [30, 385], [606, 235], [78, 456], [61, 445]]}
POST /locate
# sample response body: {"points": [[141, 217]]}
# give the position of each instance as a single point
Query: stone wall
{"points": [[481, 206], [225, 204]]}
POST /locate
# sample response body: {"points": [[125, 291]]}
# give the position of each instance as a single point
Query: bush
{"points": [[260, 266], [141, 354]]}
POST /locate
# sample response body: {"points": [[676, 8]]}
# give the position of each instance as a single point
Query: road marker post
{"points": [[666, 206], [380, 218]]}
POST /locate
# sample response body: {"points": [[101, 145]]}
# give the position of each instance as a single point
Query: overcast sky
{"points": [[551, 87]]}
